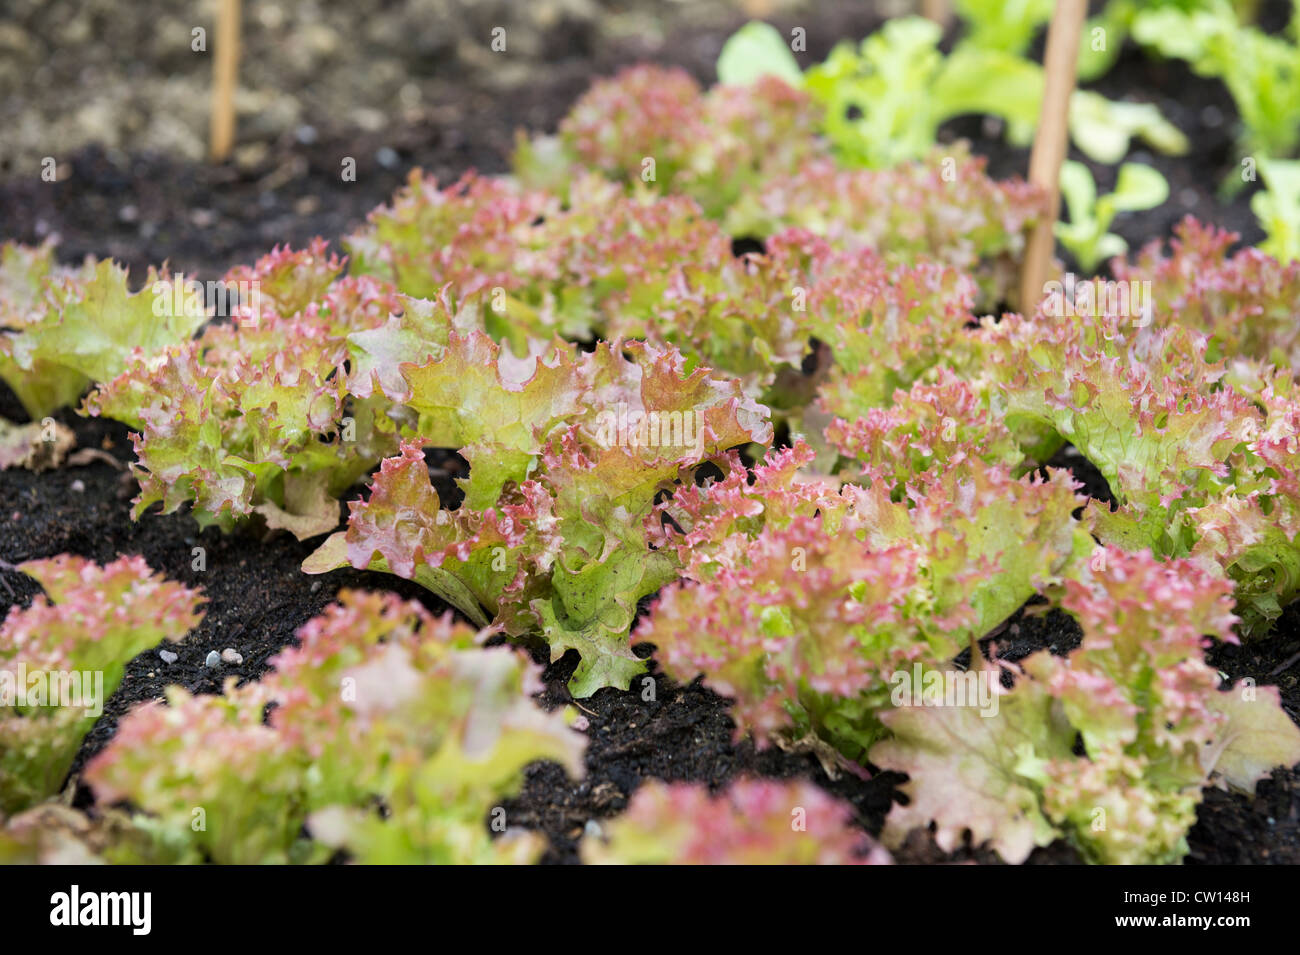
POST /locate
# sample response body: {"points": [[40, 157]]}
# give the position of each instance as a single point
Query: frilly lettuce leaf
{"points": [[566, 459]]}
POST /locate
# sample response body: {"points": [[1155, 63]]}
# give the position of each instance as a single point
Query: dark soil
{"points": [[684, 733], [256, 596], [145, 207]]}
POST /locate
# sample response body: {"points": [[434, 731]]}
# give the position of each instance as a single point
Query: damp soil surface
{"points": [[145, 207]]}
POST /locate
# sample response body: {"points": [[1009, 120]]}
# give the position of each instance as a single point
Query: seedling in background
{"points": [[1104, 128], [1278, 208], [756, 50], [1259, 70], [1007, 25], [1086, 235], [883, 101]]}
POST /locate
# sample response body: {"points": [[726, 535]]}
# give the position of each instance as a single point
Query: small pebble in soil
{"points": [[167, 656], [1212, 116], [387, 157], [1188, 198], [231, 655], [305, 135], [78, 486], [592, 830], [213, 660]]}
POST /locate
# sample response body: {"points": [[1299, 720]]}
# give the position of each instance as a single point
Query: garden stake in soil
{"points": [[937, 10], [1050, 143], [225, 77]]}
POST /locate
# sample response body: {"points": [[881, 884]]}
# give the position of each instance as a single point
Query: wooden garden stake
{"points": [[936, 10], [1049, 145], [225, 75]]}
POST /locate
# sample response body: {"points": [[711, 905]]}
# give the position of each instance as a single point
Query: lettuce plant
{"points": [[63, 656], [655, 127], [217, 784], [863, 309], [281, 283], [389, 734], [1259, 69], [608, 265], [995, 40], [885, 101], [770, 176], [751, 822], [1243, 301], [53, 833], [1197, 467], [1086, 235], [1117, 17], [434, 725], [991, 24], [277, 414], [1278, 208], [800, 599], [566, 460], [942, 210], [1109, 748], [922, 432], [62, 329], [756, 50], [473, 234], [253, 417], [615, 266], [1103, 128]]}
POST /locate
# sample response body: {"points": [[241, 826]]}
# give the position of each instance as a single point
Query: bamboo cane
{"points": [[1048, 153], [225, 75], [936, 10]]}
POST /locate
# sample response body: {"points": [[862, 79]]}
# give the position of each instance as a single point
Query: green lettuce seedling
{"points": [[885, 101], [1085, 235], [1278, 208], [1261, 71]]}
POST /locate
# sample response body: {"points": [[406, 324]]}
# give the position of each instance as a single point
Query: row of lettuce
{"points": [[380, 704], [908, 515]]}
